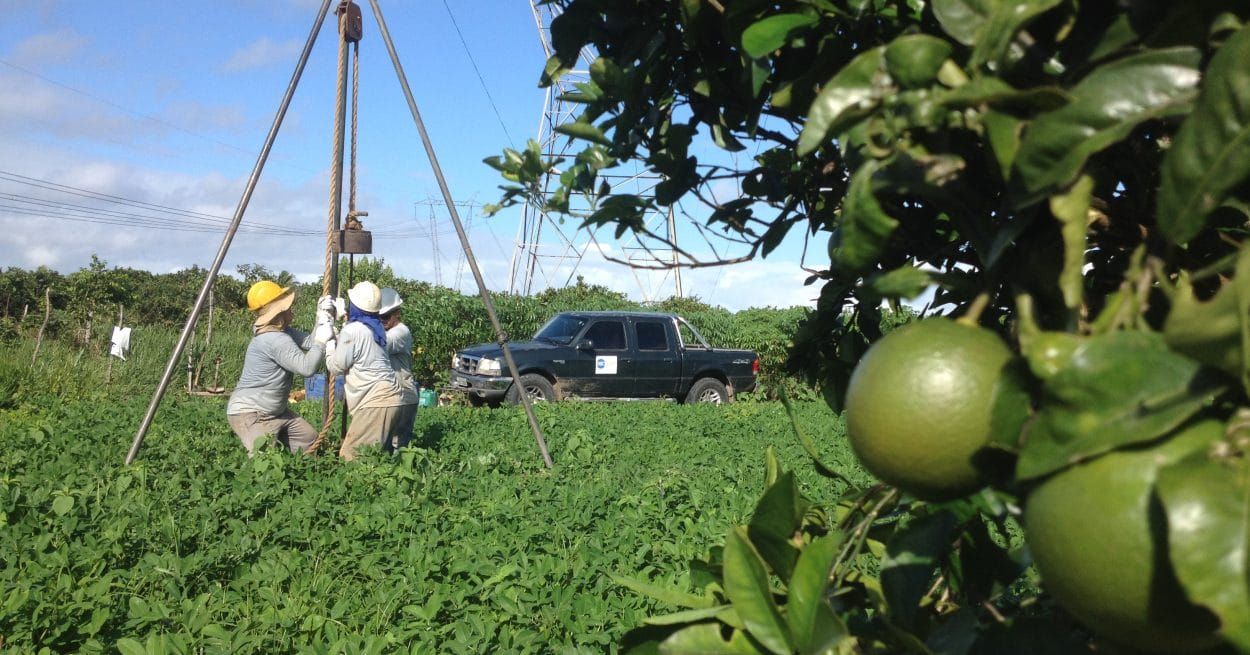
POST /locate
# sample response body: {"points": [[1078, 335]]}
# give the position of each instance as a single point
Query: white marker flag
{"points": [[119, 344]]}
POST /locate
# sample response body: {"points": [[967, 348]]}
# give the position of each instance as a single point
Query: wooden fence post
{"points": [[121, 321], [47, 313]]}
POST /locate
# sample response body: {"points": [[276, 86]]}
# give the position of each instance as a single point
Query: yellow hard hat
{"points": [[262, 293]]}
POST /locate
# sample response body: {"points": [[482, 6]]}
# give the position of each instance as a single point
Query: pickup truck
{"points": [[607, 355]]}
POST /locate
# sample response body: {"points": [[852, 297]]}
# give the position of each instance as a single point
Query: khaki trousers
{"points": [[288, 429], [370, 426], [402, 434]]}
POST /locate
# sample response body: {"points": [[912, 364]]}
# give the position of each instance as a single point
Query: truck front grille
{"points": [[467, 364]]}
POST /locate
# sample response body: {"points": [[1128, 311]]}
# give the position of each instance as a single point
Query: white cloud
{"points": [[48, 48], [260, 53], [197, 116], [40, 256]]}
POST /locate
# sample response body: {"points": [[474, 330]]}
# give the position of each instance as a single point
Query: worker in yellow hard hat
{"points": [[258, 408]]}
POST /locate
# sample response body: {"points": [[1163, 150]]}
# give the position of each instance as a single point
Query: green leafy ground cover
{"points": [[463, 545]]}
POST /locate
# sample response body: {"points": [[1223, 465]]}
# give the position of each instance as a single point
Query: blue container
{"points": [[315, 387]]}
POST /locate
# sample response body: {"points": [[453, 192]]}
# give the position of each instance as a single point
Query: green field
{"points": [[465, 544]]}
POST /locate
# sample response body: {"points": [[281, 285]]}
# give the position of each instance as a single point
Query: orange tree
{"points": [[1072, 178]]}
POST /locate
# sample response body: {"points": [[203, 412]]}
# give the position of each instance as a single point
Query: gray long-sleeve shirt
{"points": [[399, 348], [369, 381], [269, 366]]}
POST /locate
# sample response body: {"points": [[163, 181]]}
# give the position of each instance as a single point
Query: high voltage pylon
{"points": [[549, 252]]}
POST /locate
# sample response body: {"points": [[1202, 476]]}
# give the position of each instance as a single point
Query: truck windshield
{"points": [[560, 329]]}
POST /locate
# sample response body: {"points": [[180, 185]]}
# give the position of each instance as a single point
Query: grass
{"points": [[465, 544]]}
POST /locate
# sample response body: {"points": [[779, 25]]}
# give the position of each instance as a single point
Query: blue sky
{"points": [[168, 103]]}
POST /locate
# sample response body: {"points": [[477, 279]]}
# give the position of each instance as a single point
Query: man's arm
{"points": [[291, 357], [398, 340]]}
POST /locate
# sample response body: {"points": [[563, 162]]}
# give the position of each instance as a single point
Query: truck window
{"points": [[607, 335], [651, 335], [560, 329], [687, 336]]}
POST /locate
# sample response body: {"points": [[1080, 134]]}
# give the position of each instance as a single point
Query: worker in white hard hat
{"points": [[399, 348], [374, 397], [258, 407]]}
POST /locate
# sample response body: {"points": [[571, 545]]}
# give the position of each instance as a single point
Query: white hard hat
{"points": [[390, 300], [366, 296]]}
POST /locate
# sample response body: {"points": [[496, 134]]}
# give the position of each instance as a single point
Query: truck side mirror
{"points": [[586, 344]]}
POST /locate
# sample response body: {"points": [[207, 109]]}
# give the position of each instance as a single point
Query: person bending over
{"points": [[258, 406], [372, 389]]}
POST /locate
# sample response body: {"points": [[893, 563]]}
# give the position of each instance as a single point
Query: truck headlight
{"points": [[488, 366]]}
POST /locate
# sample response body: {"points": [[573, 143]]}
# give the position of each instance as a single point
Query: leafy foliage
{"points": [[1070, 174], [464, 544]]}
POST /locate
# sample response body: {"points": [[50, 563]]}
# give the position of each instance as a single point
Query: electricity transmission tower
{"points": [[548, 252]]}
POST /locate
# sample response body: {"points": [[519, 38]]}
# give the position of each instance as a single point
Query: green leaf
{"points": [[62, 505], [963, 19], [914, 59], [705, 639], [777, 516], [725, 140], [746, 585], [687, 616], [902, 282], [1003, 132], [1111, 390], [1006, 20], [584, 131], [863, 226], [1215, 332], [849, 95], [911, 559], [994, 92], [1208, 508], [1211, 154], [128, 646], [813, 625], [764, 36], [668, 595], [1208, 331], [772, 468], [1071, 208], [1108, 104]]}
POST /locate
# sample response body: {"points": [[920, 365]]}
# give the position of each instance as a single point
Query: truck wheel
{"points": [[538, 388], [708, 390], [475, 401]]}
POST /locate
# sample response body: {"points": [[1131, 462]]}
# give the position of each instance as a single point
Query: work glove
{"points": [[323, 334], [325, 311], [325, 304], [340, 308], [330, 346]]}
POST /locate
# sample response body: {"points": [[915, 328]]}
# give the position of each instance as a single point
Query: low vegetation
{"points": [[464, 544]]}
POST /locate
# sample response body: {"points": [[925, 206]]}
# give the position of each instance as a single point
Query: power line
{"points": [[156, 216], [480, 79]]}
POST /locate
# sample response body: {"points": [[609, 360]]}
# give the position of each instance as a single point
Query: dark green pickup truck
{"points": [[605, 355]]}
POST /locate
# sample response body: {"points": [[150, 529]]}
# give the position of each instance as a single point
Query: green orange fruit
{"points": [[1098, 535], [926, 399]]}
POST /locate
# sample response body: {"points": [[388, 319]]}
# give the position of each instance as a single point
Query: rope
{"points": [[336, 177]]}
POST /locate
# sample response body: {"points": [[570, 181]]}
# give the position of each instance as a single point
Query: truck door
{"points": [[611, 365], [657, 367]]}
